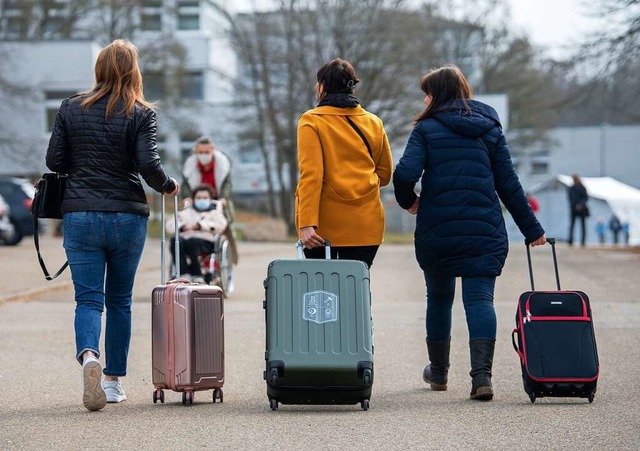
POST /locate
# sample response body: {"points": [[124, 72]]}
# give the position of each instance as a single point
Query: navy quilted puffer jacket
{"points": [[465, 166]]}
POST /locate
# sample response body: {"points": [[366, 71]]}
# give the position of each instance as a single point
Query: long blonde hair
{"points": [[117, 73]]}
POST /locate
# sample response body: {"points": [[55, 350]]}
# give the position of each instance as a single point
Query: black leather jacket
{"points": [[103, 157]]}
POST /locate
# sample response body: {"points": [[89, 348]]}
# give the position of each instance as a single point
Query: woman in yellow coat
{"points": [[344, 159]]}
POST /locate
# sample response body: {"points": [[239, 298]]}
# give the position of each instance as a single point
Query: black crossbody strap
{"points": [[36, 241], [359, 132]]}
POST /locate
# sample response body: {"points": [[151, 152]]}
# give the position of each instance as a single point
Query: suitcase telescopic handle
{"points": [[163, 240], [327, 249], [552, 242]]}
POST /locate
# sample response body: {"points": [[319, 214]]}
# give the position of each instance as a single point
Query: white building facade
{"points": [[49, 69]]}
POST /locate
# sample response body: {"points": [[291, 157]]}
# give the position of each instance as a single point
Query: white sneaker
{"points": [[198, 279], [114, 391], [93, 397]]}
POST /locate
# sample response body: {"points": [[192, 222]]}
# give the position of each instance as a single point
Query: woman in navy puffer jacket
{"points": [[460, 151]]}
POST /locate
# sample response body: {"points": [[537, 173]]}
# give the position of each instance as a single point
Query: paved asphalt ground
{"points": [[40, 389]]}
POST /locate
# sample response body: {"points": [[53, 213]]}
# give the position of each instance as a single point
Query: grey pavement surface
{"points": [[40, 389]]}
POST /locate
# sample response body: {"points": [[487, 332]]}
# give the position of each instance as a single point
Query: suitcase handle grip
{"points": [[515, 346], [163, 240], [552, 242], [327, 249]]}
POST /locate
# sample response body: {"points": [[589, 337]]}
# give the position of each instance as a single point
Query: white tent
{"points": [[607, 195]]}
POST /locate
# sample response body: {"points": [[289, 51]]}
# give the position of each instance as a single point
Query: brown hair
{"points": [[117, 74], [337, 77], [207, 188], [202, 140], [443, 84]]}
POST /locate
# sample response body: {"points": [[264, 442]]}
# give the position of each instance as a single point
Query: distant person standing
{"points": [[615, 226], [578, 198], [601, 228]]}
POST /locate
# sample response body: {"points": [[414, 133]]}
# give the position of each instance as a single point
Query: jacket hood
{"points": [[474, 123]]}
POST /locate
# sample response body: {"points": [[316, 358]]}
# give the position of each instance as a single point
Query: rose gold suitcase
{"points": [[187, 323]]}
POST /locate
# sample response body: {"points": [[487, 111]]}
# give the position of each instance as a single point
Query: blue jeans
{"points": [[477, 297], [104, 251]]}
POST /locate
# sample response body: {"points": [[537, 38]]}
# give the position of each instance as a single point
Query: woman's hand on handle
{"points": [[539, 242], [177, 188], [310, 238]]}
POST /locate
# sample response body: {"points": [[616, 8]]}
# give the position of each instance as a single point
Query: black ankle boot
{"points": [[481, 350], [436, 372]]}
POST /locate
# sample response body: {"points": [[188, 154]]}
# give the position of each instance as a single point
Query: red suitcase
{"points": [[187, 323]]}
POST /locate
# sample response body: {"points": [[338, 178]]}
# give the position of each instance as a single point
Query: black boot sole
{"points": [[434, 386], [483, 394]]}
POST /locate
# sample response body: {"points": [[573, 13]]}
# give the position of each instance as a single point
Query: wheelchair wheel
{"points": [[226, 268]]}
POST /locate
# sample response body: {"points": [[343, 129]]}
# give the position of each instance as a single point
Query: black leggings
{"points": [[364, 254]]}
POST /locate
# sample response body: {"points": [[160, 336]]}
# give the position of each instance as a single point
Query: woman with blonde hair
{"points": [[344, 159], [459, 150], [103, 139]]}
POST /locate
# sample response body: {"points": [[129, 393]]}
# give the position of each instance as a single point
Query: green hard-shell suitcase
{"points": [[319, 334]]}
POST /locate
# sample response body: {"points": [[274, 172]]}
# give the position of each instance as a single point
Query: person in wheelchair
{"points": [[199, 226]]}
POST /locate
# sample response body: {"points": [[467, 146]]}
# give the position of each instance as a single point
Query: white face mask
{"points": [[204, 158]]}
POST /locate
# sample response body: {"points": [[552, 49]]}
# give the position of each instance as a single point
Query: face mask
{"points": [[204, 158], [202, 204]]}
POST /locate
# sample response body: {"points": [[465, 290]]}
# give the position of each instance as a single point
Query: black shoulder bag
{"points": [[359, 132], [47, 203]]}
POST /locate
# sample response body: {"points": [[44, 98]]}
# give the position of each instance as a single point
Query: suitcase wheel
{"points": [[591, 396], [217, 394], [187, 398], [532, 397], [273, 404], [158, 395], [364, 404], [367, 377], [273, 376]]}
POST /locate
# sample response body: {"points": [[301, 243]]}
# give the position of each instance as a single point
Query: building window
{"points": [[51, 118], [151, 22], [188, 21], [250, 155], [59, 95], [53, 26], [53, 99], [188, 15], [154, 86], [14, 25], [540, 163], [192, 86], [151, 3]]}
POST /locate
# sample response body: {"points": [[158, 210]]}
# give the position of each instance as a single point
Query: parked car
{"points": [[7, 230], [18, 193]]}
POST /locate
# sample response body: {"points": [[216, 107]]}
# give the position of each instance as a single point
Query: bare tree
{"points": [[280, 50], [617, 41]]}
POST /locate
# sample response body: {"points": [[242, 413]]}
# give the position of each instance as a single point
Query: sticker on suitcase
{"points": [[320, 307]]}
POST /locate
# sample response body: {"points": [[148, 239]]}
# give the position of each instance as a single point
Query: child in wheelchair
{"points": [[200, 226]]}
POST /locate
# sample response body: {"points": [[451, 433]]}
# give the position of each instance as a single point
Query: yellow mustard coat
{"points": [[339, 186]]}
